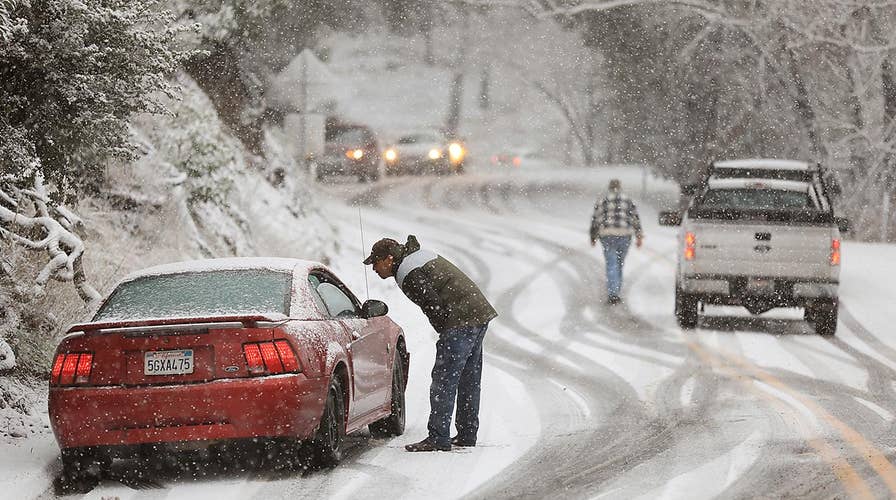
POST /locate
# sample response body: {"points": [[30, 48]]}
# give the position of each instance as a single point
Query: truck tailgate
{"points": [[764, 249]]}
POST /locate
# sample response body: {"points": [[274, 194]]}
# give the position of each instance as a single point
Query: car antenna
{"points": [[363, 246]]}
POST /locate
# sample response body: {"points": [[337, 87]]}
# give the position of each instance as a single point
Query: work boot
{"points": [[462, 443], [427, 445], [614, 299]]}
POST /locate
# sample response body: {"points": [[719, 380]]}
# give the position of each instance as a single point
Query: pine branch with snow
{"points": [[72, 73]]}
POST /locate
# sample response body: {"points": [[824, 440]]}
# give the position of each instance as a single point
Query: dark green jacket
{"points": [[448, 297]]}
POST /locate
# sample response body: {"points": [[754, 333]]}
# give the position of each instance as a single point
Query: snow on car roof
{"points": [[764, 163], [759, 184], [232, 263]]}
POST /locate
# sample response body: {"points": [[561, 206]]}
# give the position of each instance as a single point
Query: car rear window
{"points": [[756, 199], [207, 293]]}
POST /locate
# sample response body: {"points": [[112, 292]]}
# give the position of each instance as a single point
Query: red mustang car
{"points": [[209, 353]]}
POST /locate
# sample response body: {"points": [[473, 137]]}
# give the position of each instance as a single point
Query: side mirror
{"points": [[374, 308], [670, 218], [843, 224]]}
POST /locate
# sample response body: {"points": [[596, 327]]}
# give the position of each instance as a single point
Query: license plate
{"points": [[168, 362], [760, 285]]}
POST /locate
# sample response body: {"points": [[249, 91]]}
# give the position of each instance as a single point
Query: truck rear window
{"points": [[756, 199], [197, 294]]}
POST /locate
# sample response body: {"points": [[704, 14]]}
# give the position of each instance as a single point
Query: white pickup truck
{"points": [[760, 234]]}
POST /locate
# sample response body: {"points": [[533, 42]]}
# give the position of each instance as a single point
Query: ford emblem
{"points": [[231, 369]]}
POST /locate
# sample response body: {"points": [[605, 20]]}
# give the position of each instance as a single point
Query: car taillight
{"points": [[82, 374], [835, 252], [290, 363], [271, 358], [71, 368], [268, 358], [253, 358], [690, 245]]}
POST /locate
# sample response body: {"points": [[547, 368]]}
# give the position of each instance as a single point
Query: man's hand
{"points": [[639, 241]]}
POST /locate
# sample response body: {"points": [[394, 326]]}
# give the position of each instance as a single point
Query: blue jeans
{"points": [[457, 372], [615, 249]]}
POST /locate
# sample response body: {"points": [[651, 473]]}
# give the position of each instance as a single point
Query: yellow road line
{"points": [[875, 458], [878, 461], [852, 481]]}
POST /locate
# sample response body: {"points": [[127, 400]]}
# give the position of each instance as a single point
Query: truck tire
{"points": [[825, 317], [686, 309]]}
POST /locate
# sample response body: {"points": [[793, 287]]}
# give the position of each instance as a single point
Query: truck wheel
{"points": [[809, 314], [393, 425], [686, 309], [328, 441], [825, 317]]}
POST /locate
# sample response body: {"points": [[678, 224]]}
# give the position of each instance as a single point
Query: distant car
{"points": [[349, 149], [225, 353], [425, 152], [517, 157], [506, 159]]}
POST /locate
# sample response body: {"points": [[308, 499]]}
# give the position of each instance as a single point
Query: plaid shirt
{"points": [[615, 215]]}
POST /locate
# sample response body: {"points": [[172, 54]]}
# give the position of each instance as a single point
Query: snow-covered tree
{"points": [[72, 72], [694, 80]]}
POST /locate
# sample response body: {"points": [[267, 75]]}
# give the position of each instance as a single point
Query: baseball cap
{"points": [[382, 249]]}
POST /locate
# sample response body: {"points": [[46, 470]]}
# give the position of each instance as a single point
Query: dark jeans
{"points": [[615, 249], [457, 372]]}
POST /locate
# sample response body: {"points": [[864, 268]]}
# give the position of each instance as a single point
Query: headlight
{"points": [[456, 152], [390, 155], [355, 154], [434, 154]]}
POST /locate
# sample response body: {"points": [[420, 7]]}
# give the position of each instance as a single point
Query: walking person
{"points": [[614, 221], [459, 313]]}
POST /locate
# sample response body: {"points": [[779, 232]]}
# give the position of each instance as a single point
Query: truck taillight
{"points": [[269, 358], [71, 368], [690, 244], [835, 252]]}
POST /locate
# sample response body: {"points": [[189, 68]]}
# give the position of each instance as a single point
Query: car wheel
{"points": [[393, 425], [686, 309], [328, 441], [82, 469], [825, 317]]}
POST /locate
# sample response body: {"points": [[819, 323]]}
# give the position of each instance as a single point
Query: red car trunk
{"points": [[224, 395], [119, 353]]}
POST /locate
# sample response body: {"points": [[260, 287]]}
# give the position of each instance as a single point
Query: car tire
{"points": [[393, 425], [825, 317], [686, 309], [330, 436], [82, 469]]}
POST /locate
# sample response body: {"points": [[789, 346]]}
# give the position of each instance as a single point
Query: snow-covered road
{"points": [[627, 404], [586, 400]]}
